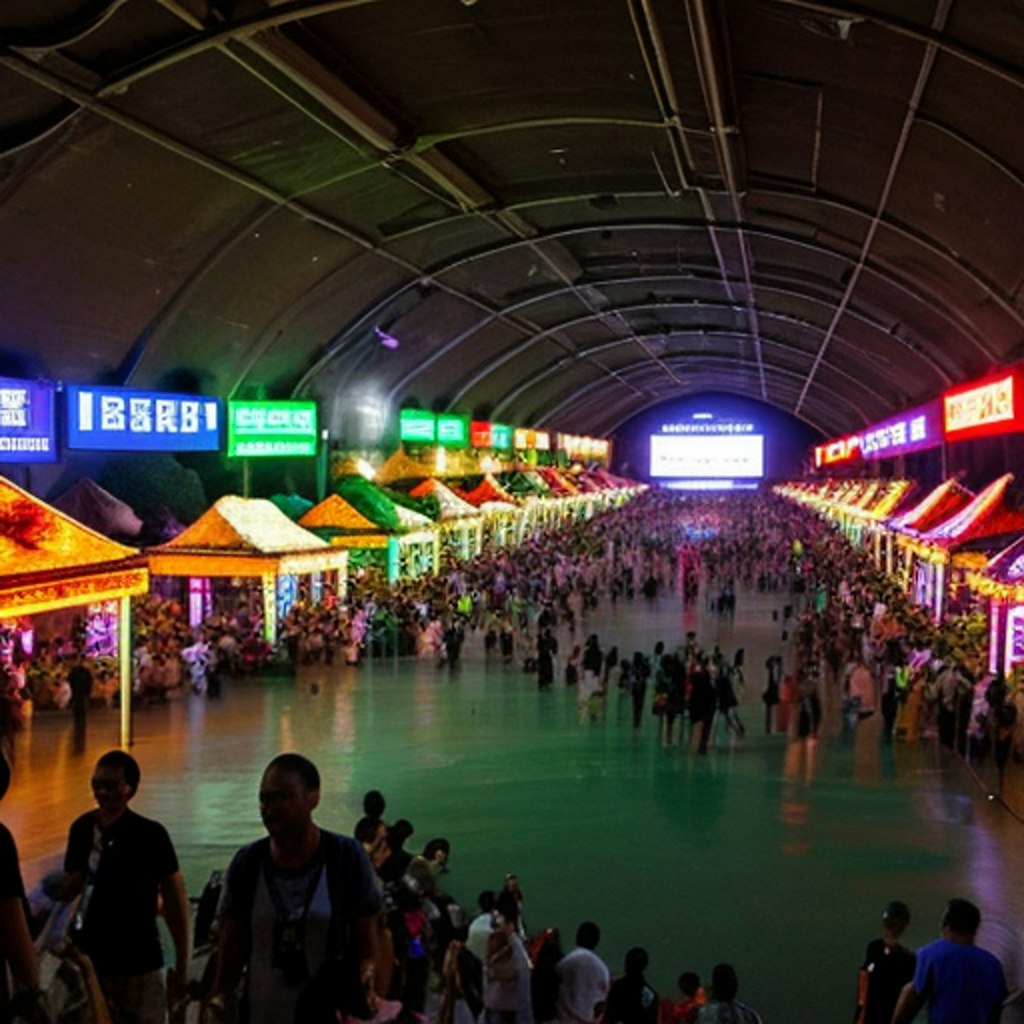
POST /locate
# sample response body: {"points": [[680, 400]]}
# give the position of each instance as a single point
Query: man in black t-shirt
{"points": [[888, 966], [16, 949], [121, 864]]}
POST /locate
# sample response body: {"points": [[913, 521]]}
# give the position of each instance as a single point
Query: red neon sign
{"points": [[842, 450], [480, 434], [984, 408]]}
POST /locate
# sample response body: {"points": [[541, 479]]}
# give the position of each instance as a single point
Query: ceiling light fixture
{"points": [[387, 340]]}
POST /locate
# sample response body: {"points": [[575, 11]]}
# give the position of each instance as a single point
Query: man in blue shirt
{"points": [[958, 982]]}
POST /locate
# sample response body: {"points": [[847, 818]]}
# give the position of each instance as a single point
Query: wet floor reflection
{"points": [[758, 853]]}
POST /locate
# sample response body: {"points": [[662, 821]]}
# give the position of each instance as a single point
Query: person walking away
{"points": [[121, 865], [773, 667], [583, 979], [547, 648], [959, 982], [862, 691], [888, 966], [724, 1007], [590, 680], [299, 910], [702, 703], [638, 689], [631, 999], [80, 682]]}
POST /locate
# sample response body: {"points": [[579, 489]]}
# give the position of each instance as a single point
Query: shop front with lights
{"points": [[247, 553], [61, 580]]}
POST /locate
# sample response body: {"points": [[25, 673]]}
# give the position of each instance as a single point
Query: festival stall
{"points": [[50, 566], [461, 525], [404, 546], [961, 542], [505, 525], [940, 504], [248, 540], [1001, 583]]}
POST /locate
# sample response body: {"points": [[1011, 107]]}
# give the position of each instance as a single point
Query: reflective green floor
{"points": [[776, 855]]}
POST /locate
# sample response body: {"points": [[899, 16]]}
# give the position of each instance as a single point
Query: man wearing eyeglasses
{"points": [[124, 868]]}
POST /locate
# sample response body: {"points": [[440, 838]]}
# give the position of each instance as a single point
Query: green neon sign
{"points": [[417, 425], [268, 429], [452, 430]]}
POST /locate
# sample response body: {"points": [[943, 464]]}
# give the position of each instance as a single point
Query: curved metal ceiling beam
{"points": [[445, 350], [804, 295], [65, 31], [924, 73], [62, 87], [288, 13], [559, 367], [210, 39], [495, 365], [942, 254], [984, 62], [582, 393]]}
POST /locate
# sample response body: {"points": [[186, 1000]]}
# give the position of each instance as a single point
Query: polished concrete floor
{"points": [[775, 854]]}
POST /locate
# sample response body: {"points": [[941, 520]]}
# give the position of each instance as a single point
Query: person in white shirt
{"points": [[583, 979], [481, 926]]}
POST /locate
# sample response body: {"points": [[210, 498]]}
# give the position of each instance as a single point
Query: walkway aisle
{"points": [[775, 855]]}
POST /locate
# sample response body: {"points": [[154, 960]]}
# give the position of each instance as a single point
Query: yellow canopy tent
{"points": [[49, 561], [249, 538]]}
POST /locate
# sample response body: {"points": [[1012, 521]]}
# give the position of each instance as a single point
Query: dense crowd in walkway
{"points": [[844, 626]]}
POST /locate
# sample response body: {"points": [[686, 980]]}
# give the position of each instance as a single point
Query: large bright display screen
{"points": [[707, 456]]}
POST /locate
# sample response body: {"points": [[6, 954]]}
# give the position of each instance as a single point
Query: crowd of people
{"points": [[845, 625], [310, 926]]}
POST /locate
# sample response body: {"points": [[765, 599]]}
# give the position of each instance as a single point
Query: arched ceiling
{"points": [[566, 211]]}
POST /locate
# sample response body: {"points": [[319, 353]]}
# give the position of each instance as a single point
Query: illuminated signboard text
{"points": [[125, 419]]}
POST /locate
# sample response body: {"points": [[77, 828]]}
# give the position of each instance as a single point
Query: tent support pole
{"points": [[124, 647]]}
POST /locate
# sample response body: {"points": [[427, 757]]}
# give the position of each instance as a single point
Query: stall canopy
{"points": [[335, 515], [379, 507], [559, 483], [400, 467], [523, 484], [294, 506], [451, 505], [48, 561], [1007, 567], [243, 537], [488, 491], [944, 501], [89, 504], [987, 515]]}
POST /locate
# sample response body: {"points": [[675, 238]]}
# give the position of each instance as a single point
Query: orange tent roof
{"points": [[47, 560], [35, 537], [335, 513]]}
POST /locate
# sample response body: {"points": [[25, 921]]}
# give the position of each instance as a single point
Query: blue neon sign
{"points": [[127, 420], [27, 430]]}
